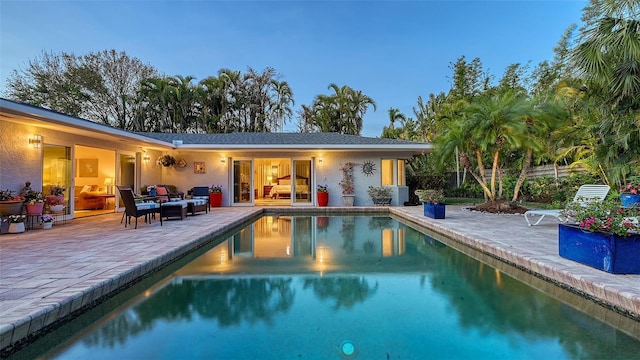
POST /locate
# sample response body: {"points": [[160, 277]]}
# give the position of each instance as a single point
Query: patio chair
{"points": [[136, 210], [201, 192], [585, 194]]}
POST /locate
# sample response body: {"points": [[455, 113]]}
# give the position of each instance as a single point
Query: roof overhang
{"points": [[427, 148], [43, 118]]}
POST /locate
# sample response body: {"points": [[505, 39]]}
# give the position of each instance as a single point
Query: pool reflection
{"points": [[317, 244]]}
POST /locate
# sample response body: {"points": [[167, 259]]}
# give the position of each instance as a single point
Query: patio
{"points": [[48, 274]]}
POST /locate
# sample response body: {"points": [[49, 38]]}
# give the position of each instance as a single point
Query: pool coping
{"points": [[460, 225]]}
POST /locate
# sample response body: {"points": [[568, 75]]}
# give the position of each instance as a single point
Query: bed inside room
{"points": [[283, 187], [282, 181]]}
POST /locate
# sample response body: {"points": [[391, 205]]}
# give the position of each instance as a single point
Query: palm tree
{"points": [[608, 56], [493, 126], [341, 112]]}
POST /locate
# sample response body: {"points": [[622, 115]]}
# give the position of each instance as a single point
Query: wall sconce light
{"points": [[146, 158], [223, 161], [320, 160], [36, 141]]}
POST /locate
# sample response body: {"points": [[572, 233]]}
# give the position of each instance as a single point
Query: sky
{"points": [[392, 51]]}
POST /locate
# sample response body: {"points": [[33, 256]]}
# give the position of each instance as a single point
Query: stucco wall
{"points": [[20, 162]]}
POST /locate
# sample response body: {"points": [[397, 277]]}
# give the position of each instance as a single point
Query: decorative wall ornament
{"points": [[199, 167], [368, 168], [166, 160], [182, 163]]}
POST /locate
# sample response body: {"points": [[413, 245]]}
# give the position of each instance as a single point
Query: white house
{"points": [[49, 148]]}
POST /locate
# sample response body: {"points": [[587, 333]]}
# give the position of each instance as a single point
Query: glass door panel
{"points": [[56, 172], [242, 182], [301, 187]]}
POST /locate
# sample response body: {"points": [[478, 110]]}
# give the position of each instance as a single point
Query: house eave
{"points": [[427, 148], [40, 117]]}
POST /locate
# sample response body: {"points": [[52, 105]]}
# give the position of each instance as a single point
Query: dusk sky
{"points": [[393, 51]]}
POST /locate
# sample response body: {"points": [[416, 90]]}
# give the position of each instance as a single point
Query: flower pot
{"points": [[10, 207], [385, 201], [604, 251], [56, 208], [323, 198], [348, 200], [47, 225], [15, 228], [35, 209], [215, 199], [629, 200], [434, 211]]}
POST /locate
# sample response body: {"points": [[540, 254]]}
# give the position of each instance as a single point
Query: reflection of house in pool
{"points": [[296, 242]]}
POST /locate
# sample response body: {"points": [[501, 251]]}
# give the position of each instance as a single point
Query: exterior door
{"points": [[301, 187], [243, 190]]}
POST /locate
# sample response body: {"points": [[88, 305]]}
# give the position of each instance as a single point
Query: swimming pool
{"points": [[341, 287]]}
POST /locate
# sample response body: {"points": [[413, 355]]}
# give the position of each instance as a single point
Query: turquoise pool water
{"points": [[340, 288]]}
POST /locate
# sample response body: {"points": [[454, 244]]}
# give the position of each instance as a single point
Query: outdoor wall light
{"points": [[320, 160], [36, 141], [146, 158], [223, 161]]}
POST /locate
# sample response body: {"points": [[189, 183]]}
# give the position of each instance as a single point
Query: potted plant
{"points": [[215, 195], [56, 196], [34, 202], [16, 223], [322, 193], [47, 221], [380, 195], [433, 203], [602, 235], [347, 184], [10, 204], [166, 160], [55, 205], [630, 195]]}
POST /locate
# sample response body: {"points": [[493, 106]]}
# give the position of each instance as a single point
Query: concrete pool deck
{"points": [[45, 275]]}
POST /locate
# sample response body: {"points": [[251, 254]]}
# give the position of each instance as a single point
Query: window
{"points": [[387, 173], [402, 180]]}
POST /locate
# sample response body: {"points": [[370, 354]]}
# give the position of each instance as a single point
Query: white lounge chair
{"points": [[586, 193]]}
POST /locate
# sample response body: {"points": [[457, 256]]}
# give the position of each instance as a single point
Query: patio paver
{"points": [[46, 275]]}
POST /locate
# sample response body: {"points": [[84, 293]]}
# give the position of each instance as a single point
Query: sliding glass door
{"points": [[301, 187], [243, 193], [56, 171]]}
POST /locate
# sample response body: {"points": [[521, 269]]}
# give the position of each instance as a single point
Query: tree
{"points": [[341, 112], [54, 81], [493, 126], [98, 86], [121, 77], [607, 56], [391, 132]]}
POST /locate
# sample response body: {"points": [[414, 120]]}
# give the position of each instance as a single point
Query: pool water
{"points": [[353, 287]]}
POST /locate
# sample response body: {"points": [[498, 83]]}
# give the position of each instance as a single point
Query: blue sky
{"points": [[393, 51]]}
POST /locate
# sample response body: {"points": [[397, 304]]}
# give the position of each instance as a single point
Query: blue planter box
{"points": [[629, 200], [434, 211], [608, 252]]}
